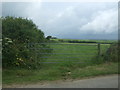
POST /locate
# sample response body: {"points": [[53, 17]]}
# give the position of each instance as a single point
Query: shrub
{"points": [[16, 34], [112, 53]]}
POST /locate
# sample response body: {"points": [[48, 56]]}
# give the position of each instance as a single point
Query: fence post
{"points": [[99, 49]]}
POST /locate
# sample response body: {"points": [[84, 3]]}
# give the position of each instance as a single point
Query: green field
{"points": [[97, 41], [24, 61], [74, 54], [67, 61]]}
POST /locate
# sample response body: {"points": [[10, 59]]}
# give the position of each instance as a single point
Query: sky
{"points": [[69, 20]]}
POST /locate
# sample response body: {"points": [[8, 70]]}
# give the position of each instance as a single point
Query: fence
{"points": [[61, 52]]}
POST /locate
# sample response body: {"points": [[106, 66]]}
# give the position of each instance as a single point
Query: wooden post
{"points": [[99, 49]]}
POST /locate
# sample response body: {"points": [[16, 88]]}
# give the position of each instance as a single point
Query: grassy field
{"points": [[74, 54], [97, 41], [67, 61], [71, 52]]}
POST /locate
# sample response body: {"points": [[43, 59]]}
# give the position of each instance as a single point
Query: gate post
{"points": [[99, 49]]}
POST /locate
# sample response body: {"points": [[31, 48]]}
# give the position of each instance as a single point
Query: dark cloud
{"points": [[69, 20]]}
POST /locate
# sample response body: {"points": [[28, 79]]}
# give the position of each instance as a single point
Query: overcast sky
{"points": [[69, 20]]}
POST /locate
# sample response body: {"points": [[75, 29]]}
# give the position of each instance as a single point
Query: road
{"points": [[110, 81]]}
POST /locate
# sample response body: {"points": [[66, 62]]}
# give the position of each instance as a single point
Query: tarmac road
{"points": [[110, 81]]}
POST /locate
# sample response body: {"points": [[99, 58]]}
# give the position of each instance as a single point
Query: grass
{"points": [[23, 76], [72, 61], [101, 69], [73, 54], [0, 76]]}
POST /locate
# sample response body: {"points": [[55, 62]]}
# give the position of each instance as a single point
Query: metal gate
{"points": [[66, 52]]}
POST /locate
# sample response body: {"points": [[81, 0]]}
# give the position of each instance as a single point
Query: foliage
{"points": [[48, 37], [84, 41], [112, 53], [16, 34]]}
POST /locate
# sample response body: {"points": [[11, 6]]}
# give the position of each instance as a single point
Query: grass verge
{"points": [[23, 76]]}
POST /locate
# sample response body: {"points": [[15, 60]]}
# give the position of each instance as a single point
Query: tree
{"points": [[48, 37], [16, 34]]}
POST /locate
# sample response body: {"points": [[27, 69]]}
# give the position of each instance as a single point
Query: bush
{"points": [[16, 34], [112, 53]]}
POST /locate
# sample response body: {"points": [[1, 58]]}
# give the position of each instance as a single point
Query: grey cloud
{"points": [[104, 22], [63, 20]]}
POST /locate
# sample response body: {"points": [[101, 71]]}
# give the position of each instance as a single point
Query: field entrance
{"points": [[61, 61], [74, 53]]}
